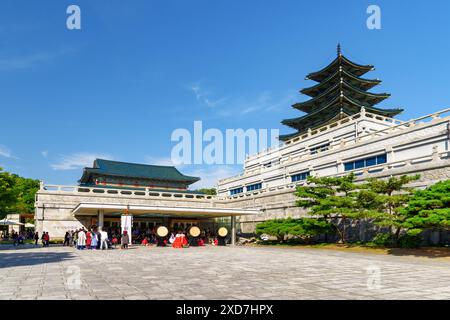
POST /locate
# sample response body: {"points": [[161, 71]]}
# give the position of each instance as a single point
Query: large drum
{"points": [[222, 232], [194, 232], [162, 231], [221, 239]]}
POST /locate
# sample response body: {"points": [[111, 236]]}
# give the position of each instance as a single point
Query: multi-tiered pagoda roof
{"points": [[340, 92]]}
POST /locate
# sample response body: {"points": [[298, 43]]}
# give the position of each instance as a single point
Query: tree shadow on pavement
{"points": [[428, 252], [19, 258]]}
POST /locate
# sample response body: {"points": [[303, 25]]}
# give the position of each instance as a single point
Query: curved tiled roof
{"points": [[135, 170]]}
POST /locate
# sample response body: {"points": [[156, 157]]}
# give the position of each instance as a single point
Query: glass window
{"points": [[300, 176], [381, 159], [349, 166], [256, 186], [371, 161], [359, 164], [236, 191], [366, 162]]}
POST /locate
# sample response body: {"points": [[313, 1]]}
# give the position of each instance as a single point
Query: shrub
{"points": [[383, 240], [409, 241]]}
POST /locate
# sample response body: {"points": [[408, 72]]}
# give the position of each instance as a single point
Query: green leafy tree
{"points": [[387, 198], [17, 194], [428, 209], [333, 199], [25, 191], [7, 192], [278, 228], [307, 228]]}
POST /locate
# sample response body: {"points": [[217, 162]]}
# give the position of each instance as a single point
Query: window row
{"points": [[300, 176], [253, 187], [236, 191], [366, 162]]}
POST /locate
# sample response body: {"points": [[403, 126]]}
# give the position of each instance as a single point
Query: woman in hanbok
{"points": [[184, 241], [178, 242], [88, 240], [94, 240]]}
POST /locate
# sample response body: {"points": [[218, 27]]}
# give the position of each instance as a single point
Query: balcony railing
{"points": [[141, 193], [396, 125]]}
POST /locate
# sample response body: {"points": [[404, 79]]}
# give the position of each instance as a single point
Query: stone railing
{"points": [[396, 125], [138, 193], [406, 125], [435, 156]]}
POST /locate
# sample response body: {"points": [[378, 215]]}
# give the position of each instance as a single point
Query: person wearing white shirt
{"points": [[103, 239]]}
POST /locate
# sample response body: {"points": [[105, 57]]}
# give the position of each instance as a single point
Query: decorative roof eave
{"points": [[89, 171], [338, 102], [338, 61], [334, 117], [370, 82], [307, 106]]}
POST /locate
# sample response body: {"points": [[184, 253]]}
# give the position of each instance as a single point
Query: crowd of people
{"points": [[19, 238], [98, 239]]}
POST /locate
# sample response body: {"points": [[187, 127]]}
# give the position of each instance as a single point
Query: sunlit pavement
{"points": [[217, 273]]}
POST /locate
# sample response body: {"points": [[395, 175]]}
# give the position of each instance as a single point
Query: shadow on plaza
{"points": [[428, 252], [18, 257]]}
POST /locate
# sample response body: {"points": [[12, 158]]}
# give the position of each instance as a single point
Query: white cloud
{"points": [[5, 152], [205, 97], [264, 101], [44, 153], [15, 61], [78, 160], [210, 175]]}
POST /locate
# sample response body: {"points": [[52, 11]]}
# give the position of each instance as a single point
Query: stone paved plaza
{"points": [[217, 273]]}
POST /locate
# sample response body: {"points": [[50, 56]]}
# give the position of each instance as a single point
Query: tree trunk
{"points": [[396, 236]]}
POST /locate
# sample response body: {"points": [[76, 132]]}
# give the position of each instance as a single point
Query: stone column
{"points": [[101, 217], [233, 230]]}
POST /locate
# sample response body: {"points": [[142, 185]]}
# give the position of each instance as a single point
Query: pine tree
{"points": [[428, 209], [388, 198], [334, 199]]}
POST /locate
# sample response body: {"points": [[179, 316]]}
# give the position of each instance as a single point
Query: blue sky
{"points": [[140, 69]]}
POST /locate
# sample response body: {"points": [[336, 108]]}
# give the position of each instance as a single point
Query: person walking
{"points": [[103, 239], [81, 242], [46, 239], [94, 240], [88, 239], [75, 237], [43, 239], [70, 238], [36, 238], [125, 240], [66, 239]]}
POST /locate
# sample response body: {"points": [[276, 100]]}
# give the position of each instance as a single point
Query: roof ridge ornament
{"points": [[339, 53]]}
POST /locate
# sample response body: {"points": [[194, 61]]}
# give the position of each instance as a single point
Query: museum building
{"points": [[342, 131]]}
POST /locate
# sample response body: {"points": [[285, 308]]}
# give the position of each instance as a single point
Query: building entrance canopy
{"points": [[89, 209]]}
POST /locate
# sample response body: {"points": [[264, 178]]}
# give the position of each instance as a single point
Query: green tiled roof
{"points": [[134, 170]]}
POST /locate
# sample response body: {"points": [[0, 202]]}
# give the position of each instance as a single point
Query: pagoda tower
{"points": [[340, 92]]}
